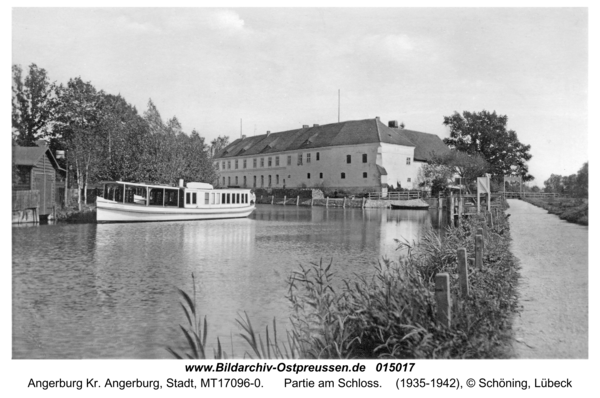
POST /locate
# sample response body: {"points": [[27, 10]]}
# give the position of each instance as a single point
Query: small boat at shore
{"points": [[133, 202], [413, 204]]}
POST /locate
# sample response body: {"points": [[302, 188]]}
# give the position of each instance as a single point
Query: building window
{"points": [[277, 179], [223, 181], [407, 160], [364, 158], [365, 175], [343, 176], [236, 164], [348, 158], [289, 160], [276, 160], [229, 164], [284, 182], [223, 165], [244, 163], [228, 181], [408, 179], [262, 181], [321, 175], [318, 156], [254, 184], [270, 162], [254, 162], [308, 158], [217, 165], [262, 162], [299, 159], [269, 181], [308, 176], [244, 181], [236, 180]]}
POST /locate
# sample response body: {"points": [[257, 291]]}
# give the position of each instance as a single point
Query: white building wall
{"points": [[331, 164], [394, 159]]}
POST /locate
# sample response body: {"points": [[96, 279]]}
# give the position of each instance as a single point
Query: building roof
{"points": [[30, 155], [335, 134]]}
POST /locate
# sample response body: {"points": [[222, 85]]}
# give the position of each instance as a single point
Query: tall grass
{"points": [[392, 312]]}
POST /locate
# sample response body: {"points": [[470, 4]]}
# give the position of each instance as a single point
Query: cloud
{"points": [[226, 20], [396, 47], [135, 26]]}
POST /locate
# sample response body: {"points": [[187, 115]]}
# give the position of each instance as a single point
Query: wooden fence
{"points": [[400, 195]]}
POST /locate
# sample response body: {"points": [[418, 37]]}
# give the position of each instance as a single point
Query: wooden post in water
{"points": [[284, 199], [363, 203], [442, 298], [463, 271], [479, 251], [311, 202], [344, 204], [298, 200], [481, 231], [327, 202], [272, 199]]}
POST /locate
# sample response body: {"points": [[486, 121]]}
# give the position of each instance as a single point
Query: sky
{"points": [[277, 69]]}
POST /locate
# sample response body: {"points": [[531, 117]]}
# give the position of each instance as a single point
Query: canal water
{"points": [[109, 290]]}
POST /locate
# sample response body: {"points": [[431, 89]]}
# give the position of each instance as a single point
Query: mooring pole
{"points": [[442, 298], [463, 271]]}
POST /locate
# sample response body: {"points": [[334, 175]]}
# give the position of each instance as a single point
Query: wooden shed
{"points": [[36, 179]]}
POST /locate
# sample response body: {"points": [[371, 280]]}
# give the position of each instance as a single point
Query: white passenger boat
{"points": [[130, 202]]}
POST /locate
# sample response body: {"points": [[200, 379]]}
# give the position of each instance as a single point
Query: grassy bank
{"points": [[570, 209], [392, 313]]}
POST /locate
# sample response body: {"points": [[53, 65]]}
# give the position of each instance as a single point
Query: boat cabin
{"points": [[195, 195]]}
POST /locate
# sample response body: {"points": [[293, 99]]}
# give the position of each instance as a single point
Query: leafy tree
{"points": [[467, 167], [218, 144], [77, 121], [32, 104], [553, 184], [435, 177], [485, 133], [152, 117], [582, 181]]}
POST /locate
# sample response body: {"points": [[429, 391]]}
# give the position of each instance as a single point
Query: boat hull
{"points": [[108, 211]]}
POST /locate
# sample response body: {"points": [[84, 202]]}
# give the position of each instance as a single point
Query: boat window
{"points": [[206, 198], [223, 198], [228, 198], [194, 198], [187, 198], [212, 198], [238, 198]]}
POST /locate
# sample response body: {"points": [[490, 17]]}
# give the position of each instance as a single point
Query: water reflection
{"points": [[108, 291]]}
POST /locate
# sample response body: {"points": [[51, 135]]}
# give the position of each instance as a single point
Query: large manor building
{"points": [[354, 156]]}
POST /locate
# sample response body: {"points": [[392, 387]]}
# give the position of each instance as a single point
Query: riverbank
{"points": [[73, 215], [393, 312], [568, 209]]}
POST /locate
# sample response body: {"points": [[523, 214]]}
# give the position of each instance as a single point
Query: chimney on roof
{"points": [[315, 125], [377, 117], [268, 132], [305, 126], [393, 124], [243, 137]]}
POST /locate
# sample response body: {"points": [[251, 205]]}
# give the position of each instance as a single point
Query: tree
{"points": [[467, 167], [32, 104], [485, 133], [435, 177], [553, 184], [218, 144], [582, 181], [77, 121]]}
